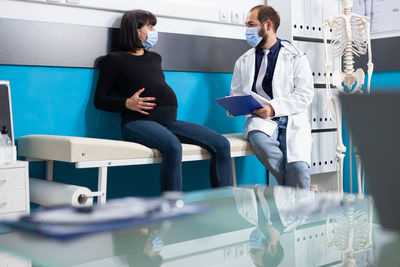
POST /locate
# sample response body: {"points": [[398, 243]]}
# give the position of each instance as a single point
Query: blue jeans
{"points": [[271, 152], [168, 139]]}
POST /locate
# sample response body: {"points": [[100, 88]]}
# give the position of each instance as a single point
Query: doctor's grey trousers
{"points": [[271, 152]]}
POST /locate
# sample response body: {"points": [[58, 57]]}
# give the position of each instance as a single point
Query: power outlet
{"points": [[224, 15], [229, 253], [241, 251]]}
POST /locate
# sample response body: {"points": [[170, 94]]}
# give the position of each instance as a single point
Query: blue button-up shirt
{"points": [[272, 58]]}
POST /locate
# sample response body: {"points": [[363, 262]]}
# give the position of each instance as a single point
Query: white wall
{"points": [[222, 18]]}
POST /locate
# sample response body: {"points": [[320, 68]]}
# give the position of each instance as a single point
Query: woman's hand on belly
{"points": [[140, 104]]}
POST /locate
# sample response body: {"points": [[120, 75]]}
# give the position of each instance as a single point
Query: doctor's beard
{"points": [[265, 37]]}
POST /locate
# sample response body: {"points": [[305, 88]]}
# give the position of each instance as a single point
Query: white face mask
{"points": [[152, 38]]}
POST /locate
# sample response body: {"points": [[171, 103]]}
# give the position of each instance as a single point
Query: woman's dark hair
{"points": [[132, 21]]}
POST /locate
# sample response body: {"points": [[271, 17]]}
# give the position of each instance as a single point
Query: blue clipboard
{"points": [[86, 222], [239, 105]]}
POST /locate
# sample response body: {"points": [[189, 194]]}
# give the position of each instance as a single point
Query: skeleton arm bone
{"points": [[328, 66], [370, 64]]}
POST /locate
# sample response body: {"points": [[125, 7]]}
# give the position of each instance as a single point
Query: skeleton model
{"points": [[350, 231], [350, 36]]}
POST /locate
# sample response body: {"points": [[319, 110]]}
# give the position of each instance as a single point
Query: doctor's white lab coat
{"points": [[293, 91]]}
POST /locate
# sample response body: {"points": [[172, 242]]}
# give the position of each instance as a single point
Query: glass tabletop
{"points": [[244, 226]]}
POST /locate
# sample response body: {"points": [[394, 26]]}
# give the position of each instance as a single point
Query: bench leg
{"points": [[49, 170], [102, 185], [233, 172]]}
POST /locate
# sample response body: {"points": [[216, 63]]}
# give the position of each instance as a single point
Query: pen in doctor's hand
{"points": [[140, 104]]}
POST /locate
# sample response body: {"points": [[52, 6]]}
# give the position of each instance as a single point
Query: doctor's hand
{"points": [[266, 111], [140, 104]]}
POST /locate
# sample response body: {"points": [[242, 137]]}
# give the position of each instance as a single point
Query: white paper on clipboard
{"points": [[256, 123], [262, 100]]}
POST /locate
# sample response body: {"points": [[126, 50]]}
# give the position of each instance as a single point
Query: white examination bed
{"points": [[104, 153]]}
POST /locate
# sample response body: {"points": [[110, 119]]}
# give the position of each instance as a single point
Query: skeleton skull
{"points": [[347, 4]]}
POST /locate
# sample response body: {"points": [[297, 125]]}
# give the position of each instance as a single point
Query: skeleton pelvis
{"points": [[348, 83]]}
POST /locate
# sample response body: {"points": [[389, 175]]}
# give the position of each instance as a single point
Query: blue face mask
{"points": [[156, 242], [252, 36], [256, 238], [152, 38]]}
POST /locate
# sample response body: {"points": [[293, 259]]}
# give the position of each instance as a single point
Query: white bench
{"points": [[104, 153]]}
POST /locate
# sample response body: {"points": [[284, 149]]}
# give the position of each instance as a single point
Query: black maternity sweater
{"points": [[125, 74]]}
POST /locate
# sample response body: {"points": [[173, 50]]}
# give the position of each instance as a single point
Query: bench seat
{"points": [[102, 153], [80, 149]]}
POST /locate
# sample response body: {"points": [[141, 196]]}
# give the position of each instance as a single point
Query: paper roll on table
{"points": [[47, 193]]}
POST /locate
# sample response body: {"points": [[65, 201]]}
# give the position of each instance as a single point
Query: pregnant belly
{"points": [[164, 114]]}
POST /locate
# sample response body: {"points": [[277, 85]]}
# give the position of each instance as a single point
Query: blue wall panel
{"points": [[52, 100]]}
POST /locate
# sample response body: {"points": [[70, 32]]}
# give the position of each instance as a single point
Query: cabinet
{"points": [[311, 247], [14, 189], [304, 18], [14, 201], [301, 24]]}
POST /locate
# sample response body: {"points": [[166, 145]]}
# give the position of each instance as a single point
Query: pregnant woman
{"points": [[132, 82]]}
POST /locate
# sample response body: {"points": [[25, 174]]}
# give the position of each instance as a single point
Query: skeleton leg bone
{"points": [[360, 193], [340, 148], [351, 161], [339, 164]]}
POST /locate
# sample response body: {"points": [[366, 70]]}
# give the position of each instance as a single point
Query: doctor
{"points": [[278, 75]]}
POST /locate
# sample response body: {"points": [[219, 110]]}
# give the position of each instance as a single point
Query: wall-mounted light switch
{"points": [[237, 17]]}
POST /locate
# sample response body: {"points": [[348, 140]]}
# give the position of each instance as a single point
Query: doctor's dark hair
{"points": [[267, 12], [132, 21], [268, 260]]}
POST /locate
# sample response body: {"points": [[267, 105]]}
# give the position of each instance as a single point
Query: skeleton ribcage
{"points": [[359, 34], [350, 224], [340, 36]]}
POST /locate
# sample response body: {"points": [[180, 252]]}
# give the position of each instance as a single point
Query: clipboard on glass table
{"points": [[239, 104], [66, 222]]}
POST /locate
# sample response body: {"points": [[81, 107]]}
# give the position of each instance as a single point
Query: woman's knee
{"points": [[223, 146], [172, 148]]}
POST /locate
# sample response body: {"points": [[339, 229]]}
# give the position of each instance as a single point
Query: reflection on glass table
{"points": [[245, 226], [350, 231]]}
